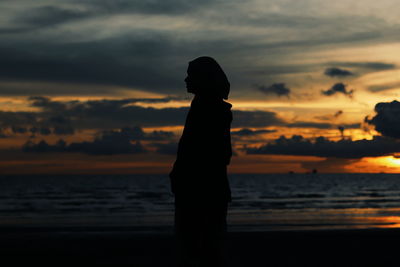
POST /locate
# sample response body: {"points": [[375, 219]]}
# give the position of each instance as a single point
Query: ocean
{"points": [[144, 203]]}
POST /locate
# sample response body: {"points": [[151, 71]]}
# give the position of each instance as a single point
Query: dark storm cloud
{"points": [[123, 141], [387, 119], [322, 147], [148, 61], [108, 114], [51, 120], [153, 60], [278, 89], [361, 68], [101, 115], [48, 16], [107, 146], [101, 146], [122, 62], [150, 7], [48, 104], [67, 116], [64, 117], [248, 132], [338, 88], [10, 118], [336, 72]]}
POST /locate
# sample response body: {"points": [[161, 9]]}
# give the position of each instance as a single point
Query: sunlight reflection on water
{"points": [[260, 202]]}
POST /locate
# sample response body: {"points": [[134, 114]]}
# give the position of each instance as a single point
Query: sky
{"points": [[98, 86]]}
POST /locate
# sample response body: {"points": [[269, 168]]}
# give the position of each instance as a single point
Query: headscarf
{"points": [[210, 77]]}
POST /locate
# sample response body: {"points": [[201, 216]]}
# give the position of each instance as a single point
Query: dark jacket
{"points": [[204, 151]]}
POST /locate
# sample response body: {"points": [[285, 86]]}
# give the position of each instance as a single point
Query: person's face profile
{"points": [[190, 82]]}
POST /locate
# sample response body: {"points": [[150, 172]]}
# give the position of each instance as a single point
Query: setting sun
{"points": [[389, 161]]}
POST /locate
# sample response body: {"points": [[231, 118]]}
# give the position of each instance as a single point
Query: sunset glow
{"points": [[313, 70]]}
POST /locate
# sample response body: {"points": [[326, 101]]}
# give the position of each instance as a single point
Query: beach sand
{"points": [[364, 247]]}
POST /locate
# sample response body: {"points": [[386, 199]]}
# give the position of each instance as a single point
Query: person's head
{"points": [[205, 77]]}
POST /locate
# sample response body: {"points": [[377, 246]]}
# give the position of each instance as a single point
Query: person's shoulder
{"points": [[211, 106]]}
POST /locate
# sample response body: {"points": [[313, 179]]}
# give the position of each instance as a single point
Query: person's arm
{"points": [[226, 143]]}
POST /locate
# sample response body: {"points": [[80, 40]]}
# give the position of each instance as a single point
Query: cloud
{"points": [[248, 132], [50, 120], [165, 7], [137, 133], [336, 72], [63, 130], [309, 124], [384, 87], [43, 146], [166, 148], [123, 141], [44, 131], [338, 113], [60, 106], [2, 134], [17, 129], [11, 118], [110, 114], [338, 88], [255, 119], [146, 45], [375, 66], [322, 147], [332, 165], [117, 113], [329, 117], [46, 16], [387, 119], [278, 89], [321, 125], [105, 145], [68, 116], [111, 62]]}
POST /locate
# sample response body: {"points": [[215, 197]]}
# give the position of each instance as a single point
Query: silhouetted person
{"points": [[199, 177]]}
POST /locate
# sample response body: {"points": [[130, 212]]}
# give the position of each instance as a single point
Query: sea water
{"points": [[262, 202]]}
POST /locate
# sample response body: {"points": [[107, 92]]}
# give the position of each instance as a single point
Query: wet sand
{"points": [[366, 247]]}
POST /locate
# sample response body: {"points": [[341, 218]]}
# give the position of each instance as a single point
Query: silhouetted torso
{"points": [[200, 171]]}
